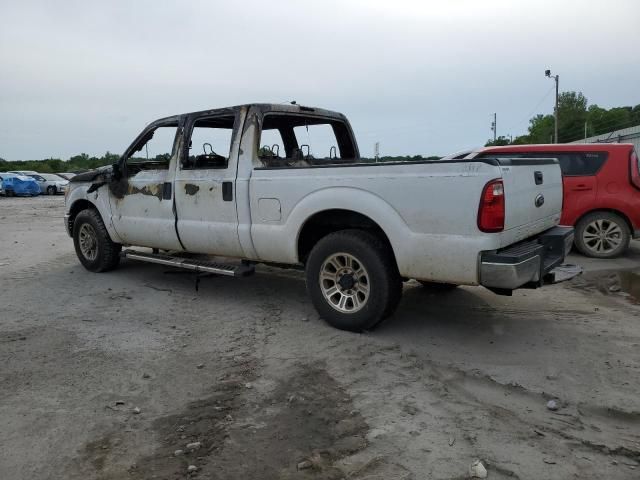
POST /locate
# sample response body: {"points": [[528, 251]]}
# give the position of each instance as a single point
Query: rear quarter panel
{"points": [[614, 188]]}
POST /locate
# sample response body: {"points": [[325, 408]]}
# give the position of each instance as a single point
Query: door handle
{"points": [[227, 191], [581, 188], [538, 178]]}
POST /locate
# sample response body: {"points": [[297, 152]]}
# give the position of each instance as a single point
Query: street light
{"points": [[547, 73]]}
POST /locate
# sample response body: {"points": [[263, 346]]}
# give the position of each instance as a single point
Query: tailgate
{"points": [[533, 196]]}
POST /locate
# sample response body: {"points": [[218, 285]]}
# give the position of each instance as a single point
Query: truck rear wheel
{"points": [[94, 248], [602, 235], [352, 280]]}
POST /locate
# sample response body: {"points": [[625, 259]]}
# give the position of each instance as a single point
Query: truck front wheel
{"points": [[352, 280], [94, 248]]}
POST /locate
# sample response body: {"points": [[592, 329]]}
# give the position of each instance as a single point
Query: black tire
{"points": [[51, 190], [590, 244], [384, 284], [107, 253], [436, 286]]}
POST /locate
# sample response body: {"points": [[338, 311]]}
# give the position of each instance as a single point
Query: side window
{"points": [[210, 144], [593, 162], [578, 164], [153, 151], [317, 141], [271, 144], [572, 164], [294, 141]]}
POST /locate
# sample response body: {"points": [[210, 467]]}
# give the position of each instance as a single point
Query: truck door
{"points": [[142, 200], [205, 187]]}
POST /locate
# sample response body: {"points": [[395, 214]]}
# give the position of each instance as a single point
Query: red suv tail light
{"points": [[635, 169], [491, 211]]}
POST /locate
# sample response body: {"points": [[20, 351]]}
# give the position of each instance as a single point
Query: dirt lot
{"points": [[106, 376]]}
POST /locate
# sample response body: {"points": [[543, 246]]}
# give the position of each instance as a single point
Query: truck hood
{"points": [[101, 174], [99, 177]]}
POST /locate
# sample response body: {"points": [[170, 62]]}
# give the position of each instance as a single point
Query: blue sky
{"points": [[420, 77]]}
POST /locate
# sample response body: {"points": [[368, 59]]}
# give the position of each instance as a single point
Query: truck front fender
{"points": [[87, 196]]}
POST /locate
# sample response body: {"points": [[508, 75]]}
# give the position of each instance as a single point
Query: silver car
{"points": [[50, 183], [66, 175]]}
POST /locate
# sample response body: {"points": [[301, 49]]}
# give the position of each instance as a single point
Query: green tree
{"points": [[575, 114], [541, 129], [635, 115], [596, 120], [572, 110], [500, 141]]}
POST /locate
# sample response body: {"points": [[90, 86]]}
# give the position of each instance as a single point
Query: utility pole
{"points": [[376, 151], [494, 125], [585, 130], [547, 73]]}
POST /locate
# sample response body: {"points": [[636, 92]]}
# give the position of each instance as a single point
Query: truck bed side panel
{"points": [[428, 211]]}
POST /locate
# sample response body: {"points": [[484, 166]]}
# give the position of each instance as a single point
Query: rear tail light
{"points": [[635, 169], [491, 211]]}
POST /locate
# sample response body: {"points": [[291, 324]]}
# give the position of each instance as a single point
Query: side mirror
{"points": [[117, 170]]}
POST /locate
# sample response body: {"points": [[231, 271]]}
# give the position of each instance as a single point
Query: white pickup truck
{"points": [[285, 185]]}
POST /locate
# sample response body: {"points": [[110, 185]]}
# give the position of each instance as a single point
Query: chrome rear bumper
{"points": [[525, 264]]}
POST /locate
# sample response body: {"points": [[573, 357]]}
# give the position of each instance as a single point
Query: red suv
{"points": [[601, 191]]}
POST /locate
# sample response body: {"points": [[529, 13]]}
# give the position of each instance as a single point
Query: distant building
{"points": [[625, 135]]}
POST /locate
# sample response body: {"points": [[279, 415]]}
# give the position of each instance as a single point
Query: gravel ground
{"points": [[134, 374]]}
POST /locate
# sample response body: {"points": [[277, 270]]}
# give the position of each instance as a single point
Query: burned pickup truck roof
{"points": [[262, 107], [102, 174]]}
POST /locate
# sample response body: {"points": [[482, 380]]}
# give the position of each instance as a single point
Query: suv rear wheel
{"points": [[602, 235], [353, 280], [94, 247]]}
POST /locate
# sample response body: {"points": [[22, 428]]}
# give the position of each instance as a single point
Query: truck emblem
{"points": [[539, 200]]}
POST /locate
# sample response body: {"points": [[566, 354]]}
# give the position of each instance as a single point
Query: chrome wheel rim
{"points": [[88, 241], [602, 236], [344, 283]]}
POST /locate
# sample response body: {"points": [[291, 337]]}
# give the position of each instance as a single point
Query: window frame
{"points": [[188, 132], [257, 163], [173, 122]]}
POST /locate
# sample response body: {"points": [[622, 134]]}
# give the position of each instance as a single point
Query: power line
{"points": [[610, 125], [609, 128], [528, 117]]}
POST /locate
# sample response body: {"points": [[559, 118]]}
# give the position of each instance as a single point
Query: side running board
{"points": [[191, 264]]}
